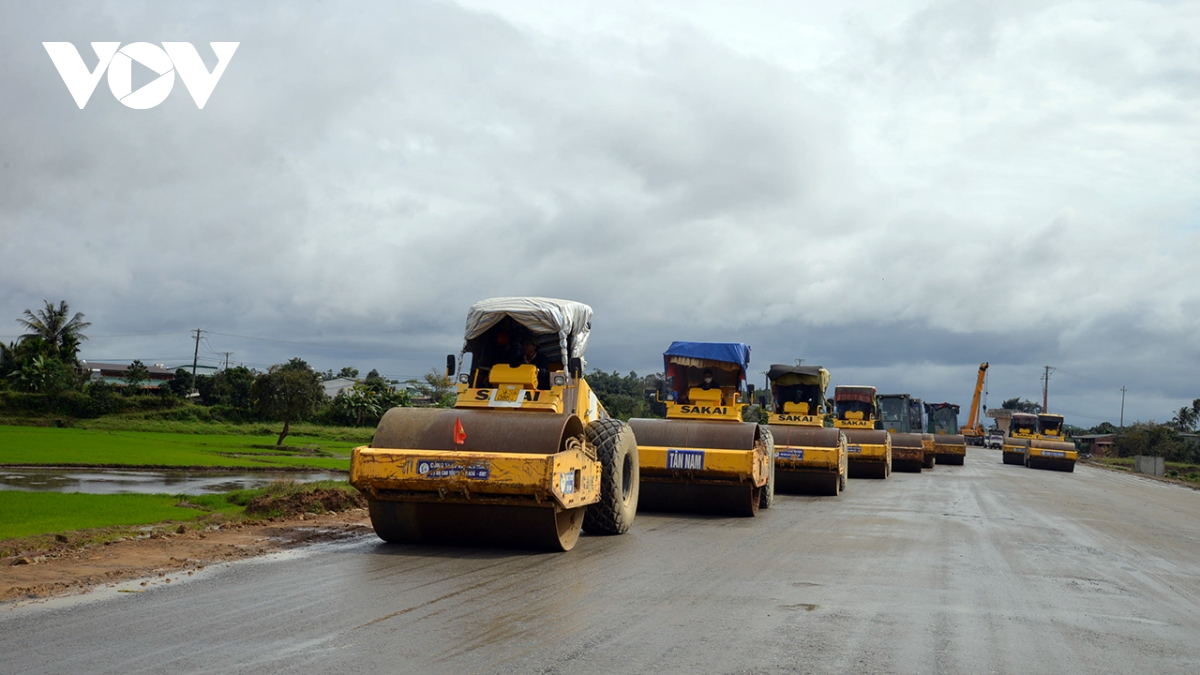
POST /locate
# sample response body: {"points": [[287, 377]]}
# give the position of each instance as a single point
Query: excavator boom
{"points": [[974, 427]]}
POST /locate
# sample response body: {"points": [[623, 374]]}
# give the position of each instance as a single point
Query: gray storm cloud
{"points": [[898, 190]]}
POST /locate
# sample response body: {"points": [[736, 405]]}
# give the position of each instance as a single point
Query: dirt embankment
{"points": [[68, 566]]}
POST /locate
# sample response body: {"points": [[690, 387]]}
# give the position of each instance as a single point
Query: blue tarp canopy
{"points": [[733, 353]]}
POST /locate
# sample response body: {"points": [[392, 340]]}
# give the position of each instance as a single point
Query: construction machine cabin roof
{"points": [[570, 320], [723, 355], [854, 392], [788, 375]]}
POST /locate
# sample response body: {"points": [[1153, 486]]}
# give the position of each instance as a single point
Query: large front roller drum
{"points": [[827, 484], [718, 497], [812, 482], [616, 448], [907, 443], [857, 468], [486, 430], [734, 499], [767, 494], [492, 525], [524, 527]]}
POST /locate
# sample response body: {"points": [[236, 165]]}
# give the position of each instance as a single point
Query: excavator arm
{"points": [[974, 424]]}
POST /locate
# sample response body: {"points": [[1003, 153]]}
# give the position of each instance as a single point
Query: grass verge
{"points": [[1189, 473], [39, 520]]}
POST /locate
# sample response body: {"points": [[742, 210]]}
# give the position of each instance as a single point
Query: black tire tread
{"points": [[610, 515]]}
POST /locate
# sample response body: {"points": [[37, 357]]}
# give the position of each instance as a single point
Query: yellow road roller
{"points": [[868, 450], [809, 459], [949, 445], [900, 415], [1050, 449], [527, 458], [1022, 429], [703, 458]]}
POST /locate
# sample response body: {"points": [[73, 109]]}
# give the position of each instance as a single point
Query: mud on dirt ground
{"points": [[68, 568]]}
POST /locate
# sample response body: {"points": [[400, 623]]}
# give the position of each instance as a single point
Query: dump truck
{"points": [[526, 458], [909, 442], [809, 459], [868, 450], [703, 458], [942, 421], [1050, 450], [1022, 429]]}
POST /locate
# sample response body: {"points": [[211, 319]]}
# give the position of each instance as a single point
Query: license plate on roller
{"points": [[853, 448], [1052, 453], [507, 395]]}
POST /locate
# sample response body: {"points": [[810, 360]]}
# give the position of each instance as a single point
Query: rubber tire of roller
{"points": [[767, 497], [930, 460], [615, 445], [842, 479], [1071, 469]]}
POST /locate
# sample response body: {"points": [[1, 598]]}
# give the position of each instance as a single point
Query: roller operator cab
{"points": [[948, 444], [809, 459], [1021, 430], [527, 458], [703, 457], [1050, 449], [912, 448], [868, 450]]}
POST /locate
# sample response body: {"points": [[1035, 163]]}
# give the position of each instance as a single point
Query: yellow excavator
{"points": [[703, 458], [868, 450], [527, 458], [942, 421], [809, 459], [1050, 449], [974, 432]]}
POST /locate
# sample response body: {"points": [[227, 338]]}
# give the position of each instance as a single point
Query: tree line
{"points": [[41, 373]]}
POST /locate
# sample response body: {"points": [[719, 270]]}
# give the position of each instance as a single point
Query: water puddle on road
{"points": [[124, 481]]}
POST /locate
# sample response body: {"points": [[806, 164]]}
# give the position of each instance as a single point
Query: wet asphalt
{"points": [[983, 568]]}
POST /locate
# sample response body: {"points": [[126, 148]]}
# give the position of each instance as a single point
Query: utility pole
{"points": [[195, 357], [1046, 388], [1122, 406], [227, 355]]}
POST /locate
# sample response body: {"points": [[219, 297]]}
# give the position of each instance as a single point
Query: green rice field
{"points": [[20, 445]]}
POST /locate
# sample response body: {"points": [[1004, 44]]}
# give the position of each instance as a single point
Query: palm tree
{"points": [[51, 324]]}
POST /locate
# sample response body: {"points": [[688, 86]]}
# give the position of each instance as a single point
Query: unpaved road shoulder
{"points": [[67, 569]]}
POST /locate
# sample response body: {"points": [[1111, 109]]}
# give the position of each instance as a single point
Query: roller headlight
{"points": [[463, 378], [559, 380]]}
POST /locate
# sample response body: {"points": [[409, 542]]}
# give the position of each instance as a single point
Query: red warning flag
{"points": [[460, 434]]}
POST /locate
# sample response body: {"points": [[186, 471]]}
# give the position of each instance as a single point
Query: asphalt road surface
{"points": [[984, 568]]}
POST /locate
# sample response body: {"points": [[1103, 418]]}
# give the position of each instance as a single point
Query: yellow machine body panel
{"points": [[796, 419], [569, 479], [704, 464], [578, 399], [705, 410]]}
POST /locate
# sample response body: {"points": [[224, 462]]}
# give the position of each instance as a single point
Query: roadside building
{"points": [[1097, 445], [337, 385], [115, 374]]}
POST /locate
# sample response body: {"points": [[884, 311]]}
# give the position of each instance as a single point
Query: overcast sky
{"points": [[898, 190]]}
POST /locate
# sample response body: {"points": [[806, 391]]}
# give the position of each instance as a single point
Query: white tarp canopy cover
{"points": [[542, 316]]}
